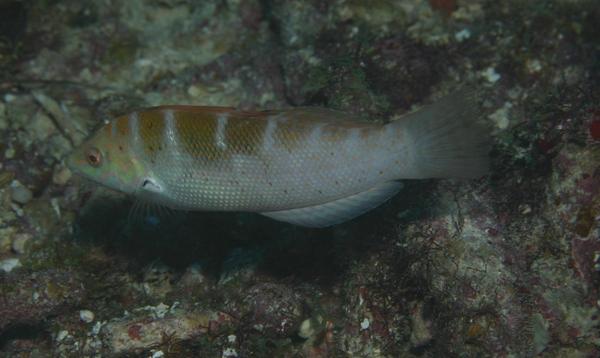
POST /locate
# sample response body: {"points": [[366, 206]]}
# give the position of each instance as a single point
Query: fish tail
{"points": [[447, 139]]}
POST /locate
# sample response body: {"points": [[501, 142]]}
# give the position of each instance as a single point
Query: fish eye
{"points": [[94, 157]]}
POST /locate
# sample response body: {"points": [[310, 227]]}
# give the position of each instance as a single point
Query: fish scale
{"points": [[244, 173], [312, 167]]}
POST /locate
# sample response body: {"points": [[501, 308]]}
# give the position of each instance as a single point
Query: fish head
{"points": [[107, 158]]}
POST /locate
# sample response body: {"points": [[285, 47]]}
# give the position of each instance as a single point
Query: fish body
{"points": [[307, 166]]}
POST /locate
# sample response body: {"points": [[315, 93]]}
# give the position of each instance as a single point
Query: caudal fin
{"points": [[448, 138]]}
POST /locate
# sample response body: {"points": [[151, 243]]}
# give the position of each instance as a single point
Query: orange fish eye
{"points": [[94, 157]]}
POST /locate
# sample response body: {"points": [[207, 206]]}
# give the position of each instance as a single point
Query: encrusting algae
{"points": [[306, 166]]}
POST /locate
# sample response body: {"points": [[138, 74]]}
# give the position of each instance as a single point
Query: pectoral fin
{"points": [[335, 212]]}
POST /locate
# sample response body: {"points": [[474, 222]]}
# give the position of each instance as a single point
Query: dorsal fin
{"points": [[316, 113], [323, 114], [190, 108]]}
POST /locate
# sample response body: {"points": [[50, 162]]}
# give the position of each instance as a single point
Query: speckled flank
{"points": [[291, 132], [244, 133], [170, 138], [334, 133], [212, 135], [223, 159], [316, 134], [216, 135], [122, 126], [196, 134], [134, 131], [220, 140], [151, 129], [268, 140]]}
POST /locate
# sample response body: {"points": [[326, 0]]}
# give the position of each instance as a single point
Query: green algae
{"points": [[13, 23], [86, 16], [121, 50], [55, 254], [541, 336], [585, 221], [6, 178], [343, 84]]}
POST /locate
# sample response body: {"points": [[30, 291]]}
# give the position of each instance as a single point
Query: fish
{"points": [[311, 167]]}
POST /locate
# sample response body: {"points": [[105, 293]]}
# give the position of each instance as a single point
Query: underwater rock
{"points": [[29, 298], [157, 280], [3, 119], [298, 22], [86, 316], [193, 276], [41, 126], [7, 265], [6, 236], [20, 241], [421, 328], [20, 194], [273, 309], [141, 332], [61, 175], [60, 116]]}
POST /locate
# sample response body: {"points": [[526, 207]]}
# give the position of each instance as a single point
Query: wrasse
{"points": [[306, 166]]}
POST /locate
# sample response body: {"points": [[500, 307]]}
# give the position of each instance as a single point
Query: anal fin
{"points": [[338, 211]]}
